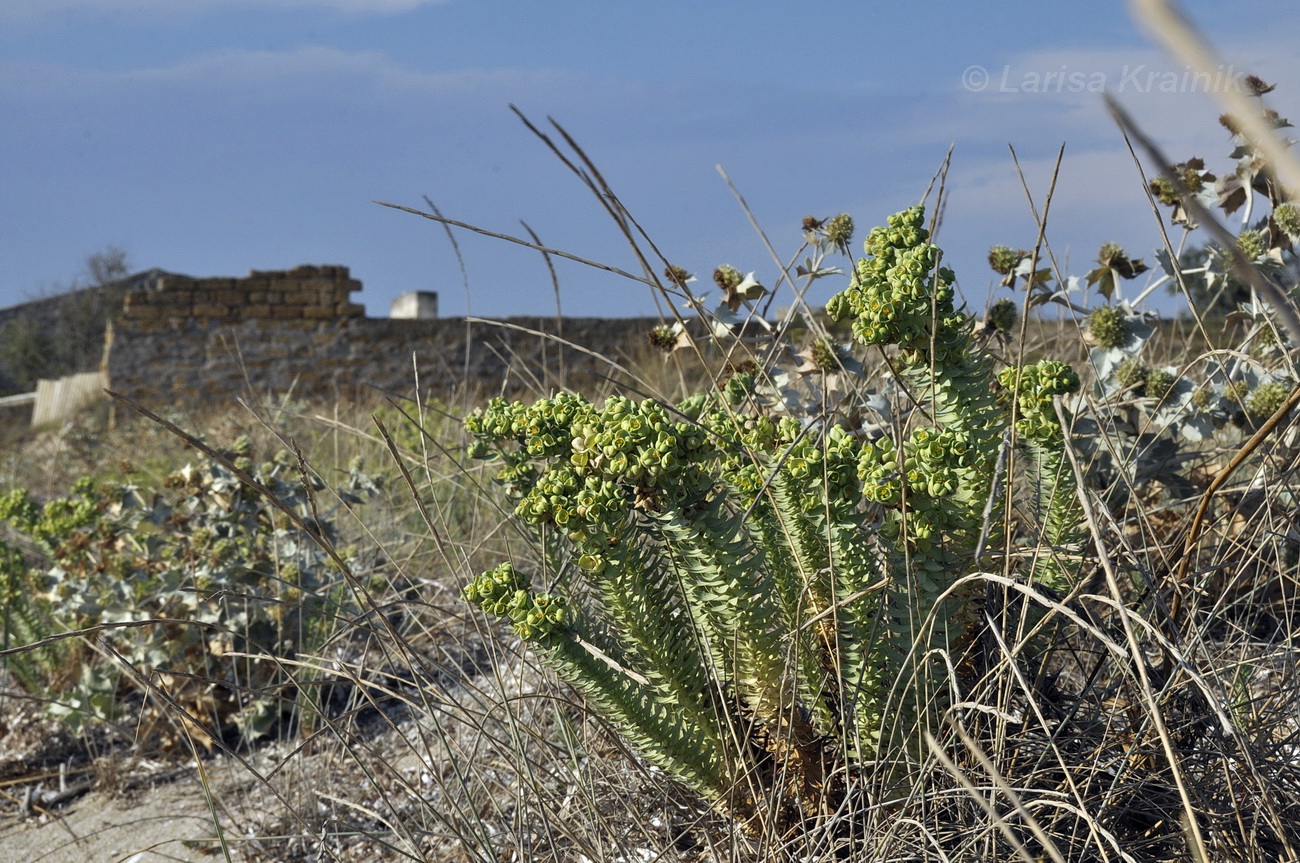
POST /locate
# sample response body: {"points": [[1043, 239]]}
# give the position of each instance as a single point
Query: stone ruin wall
{"points": [[303, 293], [207, 342]]}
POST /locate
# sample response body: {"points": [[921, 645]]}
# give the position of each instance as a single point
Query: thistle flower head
{"points": [[1164, 191], [677, 275], [1004, 259], [1256, 86], [1108, 327], [728, 277], [1287, 217], [839, 232], [1003, 315], [1160, 382], [1252, 244], [1266, 398], [1132, 374], [663, 337], [1110, 253], [1266, 337], [1236, 391], [824, 356]]}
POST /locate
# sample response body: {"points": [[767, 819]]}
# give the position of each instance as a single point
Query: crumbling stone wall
{"points": [[310, 293], [206, 342]]}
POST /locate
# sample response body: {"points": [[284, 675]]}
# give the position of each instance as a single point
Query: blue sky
{"points": [[209, 137]]}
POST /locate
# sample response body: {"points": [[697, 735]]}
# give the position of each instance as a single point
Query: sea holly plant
{"points": [[765, 602], [211, 585]]}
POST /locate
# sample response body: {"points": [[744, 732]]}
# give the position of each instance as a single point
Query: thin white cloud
{"points": [[314, 69], [33, 11]]}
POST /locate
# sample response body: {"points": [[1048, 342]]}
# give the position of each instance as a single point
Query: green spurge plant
{"points": [[761, 602]]}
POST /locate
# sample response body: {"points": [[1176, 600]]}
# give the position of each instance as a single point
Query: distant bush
{"points": [[31, 349]]}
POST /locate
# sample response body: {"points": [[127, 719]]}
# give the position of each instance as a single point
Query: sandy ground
{"points": [[111, 803], [167, 822]]}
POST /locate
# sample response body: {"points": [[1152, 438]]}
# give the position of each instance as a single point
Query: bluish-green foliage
{"points": [[209, 565]]}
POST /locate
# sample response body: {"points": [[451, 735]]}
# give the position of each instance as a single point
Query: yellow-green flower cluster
{"points": [[57, 518], [1038, 385], [597, 461], [946, 481], [841, 454], [880, 472], [825, 469], [503, 591], [738, 387], [934, 461], [900, 296]]}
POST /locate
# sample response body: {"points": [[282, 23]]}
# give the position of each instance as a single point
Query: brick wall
{"points": [[206, 342], [310, 293]]}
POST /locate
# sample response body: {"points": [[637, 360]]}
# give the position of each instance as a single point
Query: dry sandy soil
{"points": [[166, 822], [65, 799]]}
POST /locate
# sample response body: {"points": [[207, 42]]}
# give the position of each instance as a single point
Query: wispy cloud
{"points": [[30, 11], [319, 70]]}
